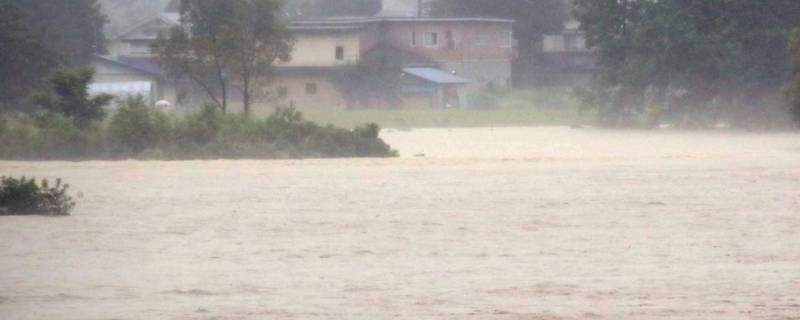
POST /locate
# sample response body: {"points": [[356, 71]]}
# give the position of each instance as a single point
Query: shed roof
{"points": [[135, 64], [435, 75]]}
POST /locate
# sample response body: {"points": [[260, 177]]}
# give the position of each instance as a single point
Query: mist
{"points": [[371, 159]]}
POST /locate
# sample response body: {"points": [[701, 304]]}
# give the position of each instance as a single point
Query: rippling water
{"points": [[513, 223]]}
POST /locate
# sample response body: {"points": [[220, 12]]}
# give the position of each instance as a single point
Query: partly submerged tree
{"points": [[69, 95], [221, 41]]}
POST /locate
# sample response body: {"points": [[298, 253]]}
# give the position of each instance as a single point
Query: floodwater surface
{"points": [[512, 223]]}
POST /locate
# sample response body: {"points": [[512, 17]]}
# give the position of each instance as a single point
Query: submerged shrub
{"points": [[26, 197]]}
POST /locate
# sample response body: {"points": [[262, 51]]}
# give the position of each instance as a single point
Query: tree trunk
{"points": [[246, 95], [223, 86]]}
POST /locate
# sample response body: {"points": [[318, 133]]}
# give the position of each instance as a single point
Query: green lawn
{"points": [[429, 118], [542, 107]]}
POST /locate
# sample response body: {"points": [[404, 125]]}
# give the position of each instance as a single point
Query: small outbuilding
{"points": [[439, 88]]}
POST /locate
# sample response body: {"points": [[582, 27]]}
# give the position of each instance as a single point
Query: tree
{"points": [[222, 40], [69, 96], [259, 38], [23, 59], [73, 29], [690, 55], [38, 35], [794, 86], [533, 19]]}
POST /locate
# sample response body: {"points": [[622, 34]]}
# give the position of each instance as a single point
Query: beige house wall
{"points": [[319, 49], [326, 97]]}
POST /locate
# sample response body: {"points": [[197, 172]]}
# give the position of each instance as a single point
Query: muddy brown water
{"points": [[512, 223]]}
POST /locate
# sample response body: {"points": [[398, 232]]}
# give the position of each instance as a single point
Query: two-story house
{"points": [[440, 62]]}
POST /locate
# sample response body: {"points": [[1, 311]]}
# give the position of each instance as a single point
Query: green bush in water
{"points": [[26, 197]]}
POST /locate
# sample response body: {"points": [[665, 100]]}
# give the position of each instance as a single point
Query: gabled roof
{"points": [[434, 75], [340, 21], [170, 19]]}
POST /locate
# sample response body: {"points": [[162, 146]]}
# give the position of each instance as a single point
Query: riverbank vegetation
{"points": [[694, 63], [27, 197], [136, 131], [73, 126]]}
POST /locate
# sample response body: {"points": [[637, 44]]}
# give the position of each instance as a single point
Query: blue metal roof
{"points": [[435, 75]]}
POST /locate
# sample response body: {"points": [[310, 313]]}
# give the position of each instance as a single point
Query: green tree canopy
{"points": [[38, 35], [732, 53], [69, 95], [226, 40], [793, 89]]}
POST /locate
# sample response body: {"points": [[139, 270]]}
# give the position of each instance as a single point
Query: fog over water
{"points": [[552, 223]]}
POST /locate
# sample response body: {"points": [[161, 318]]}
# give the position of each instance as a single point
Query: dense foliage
{"points": [[140, 132], [221, 41], [69, 95], [793, 90], [684, 57], [26, 197], [38, 35]]}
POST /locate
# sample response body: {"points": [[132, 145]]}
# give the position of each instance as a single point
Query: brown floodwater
{"points": [[511, 223]]}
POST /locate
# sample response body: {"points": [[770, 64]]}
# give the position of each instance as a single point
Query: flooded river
{"points": [[512, 223]]}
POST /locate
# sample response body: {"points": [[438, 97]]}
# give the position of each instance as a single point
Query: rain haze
{"points": [[399, 159]]}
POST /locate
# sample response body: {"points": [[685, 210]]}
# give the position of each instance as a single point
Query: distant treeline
{"points": [[36, 36], [689, 61]]}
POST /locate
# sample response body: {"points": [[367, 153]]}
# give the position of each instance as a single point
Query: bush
{"points": [[25, 197], [135, 128], [58, 137]]}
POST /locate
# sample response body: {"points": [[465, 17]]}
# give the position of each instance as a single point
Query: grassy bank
{"points": [[541, 107], [427, 118]]}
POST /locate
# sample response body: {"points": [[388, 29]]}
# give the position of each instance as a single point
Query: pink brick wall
{"points": [[466, 35]]}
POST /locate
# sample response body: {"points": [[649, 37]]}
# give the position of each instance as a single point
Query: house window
{"points": [[431, 39], [339, 53], [283, 92], [413, 38], [506, 40], [311, 88]]}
